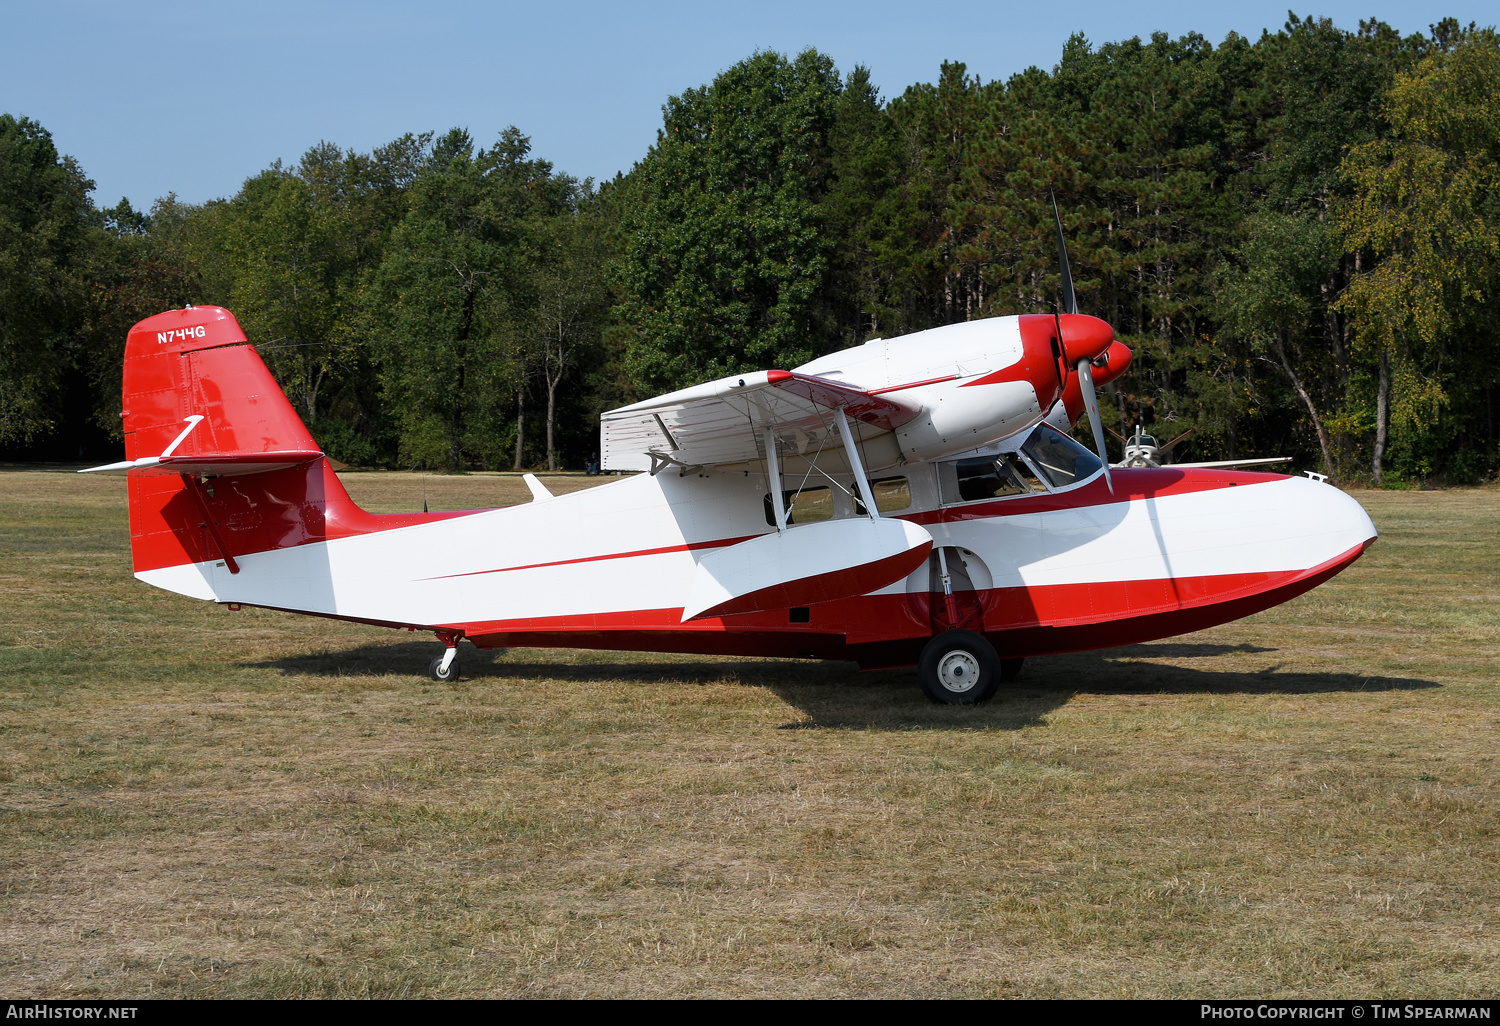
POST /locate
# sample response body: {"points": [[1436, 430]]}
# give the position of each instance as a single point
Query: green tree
{"points": [[1426, 209], [937, 279], [725, 257], [46, 234], [134, 273], [868, 216], [570, 288], [1138, 141], [1320, 91], [288, 254], [288, 289], [447, 304], [1268, 300]]}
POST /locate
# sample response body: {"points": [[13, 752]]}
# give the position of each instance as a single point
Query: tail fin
{"points": [[196, 395], [220, 466]]}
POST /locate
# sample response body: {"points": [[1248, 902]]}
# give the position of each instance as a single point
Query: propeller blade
{"points": [[1091, 404], [1059, 353], [1070, 301], [1179, 438]]}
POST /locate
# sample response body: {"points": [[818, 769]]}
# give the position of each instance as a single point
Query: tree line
{"points": [[1296, 235]]}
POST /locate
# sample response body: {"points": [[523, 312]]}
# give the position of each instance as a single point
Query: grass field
{"points": [[204, 803]]}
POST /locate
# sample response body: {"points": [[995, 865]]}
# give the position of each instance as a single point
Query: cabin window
{"points": [[807, 506], [986, 477], [1058, 458], [892, 495]]}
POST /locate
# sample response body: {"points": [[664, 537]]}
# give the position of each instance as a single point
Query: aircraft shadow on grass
{"points": [[838, 696]]}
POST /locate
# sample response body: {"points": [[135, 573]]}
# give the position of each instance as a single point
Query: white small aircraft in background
{"points": [[1142, 450], [909, 501]]}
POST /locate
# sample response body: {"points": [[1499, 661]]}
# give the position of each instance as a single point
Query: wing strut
{"points": [[856, 465], [773, 471]]}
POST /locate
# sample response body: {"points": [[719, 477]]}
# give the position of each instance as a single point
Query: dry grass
{"points": [[196, 802]]}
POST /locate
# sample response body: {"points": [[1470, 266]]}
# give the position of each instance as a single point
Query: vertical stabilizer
{"points": [[220, 465]]}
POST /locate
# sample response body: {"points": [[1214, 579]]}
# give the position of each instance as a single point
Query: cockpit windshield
{"points": [[1060, 459]]}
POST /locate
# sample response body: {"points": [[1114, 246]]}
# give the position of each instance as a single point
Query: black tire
{"points": [[435, 671], [959, 668], [1010, 669]]}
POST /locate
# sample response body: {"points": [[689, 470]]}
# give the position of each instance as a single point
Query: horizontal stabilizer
{"points": [[802, 565], [210, 464]]}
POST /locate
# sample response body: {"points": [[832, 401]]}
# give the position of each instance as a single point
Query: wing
{"points": [[722, 421], [1227, 463]]}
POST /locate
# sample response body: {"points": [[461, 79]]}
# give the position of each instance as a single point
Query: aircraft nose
{"points": [[1085, 337], [1352, 518], [1308, 524]]}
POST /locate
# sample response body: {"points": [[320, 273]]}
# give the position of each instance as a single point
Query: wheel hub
{"points": [[958, 672]]}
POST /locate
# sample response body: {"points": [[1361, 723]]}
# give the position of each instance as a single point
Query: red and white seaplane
{"points": [[910, 501]]}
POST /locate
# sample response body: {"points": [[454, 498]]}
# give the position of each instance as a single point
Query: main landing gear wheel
{"points": [[444, 669], [959, 668]]}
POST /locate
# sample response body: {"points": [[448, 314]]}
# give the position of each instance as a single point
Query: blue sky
{"points": [[195, 97]]}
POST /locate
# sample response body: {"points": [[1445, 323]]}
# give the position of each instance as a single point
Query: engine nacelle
{"points": [[975, 383], [956, 418]]}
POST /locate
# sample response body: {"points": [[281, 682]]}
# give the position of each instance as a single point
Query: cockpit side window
{"points": [[1058, 458], [986, 477]]}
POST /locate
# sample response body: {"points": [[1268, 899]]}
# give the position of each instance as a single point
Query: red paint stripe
{"points": [[1015, 372], [1135, 484], [1085, 613], [1037, 364], [913, 384], [720, 543]]}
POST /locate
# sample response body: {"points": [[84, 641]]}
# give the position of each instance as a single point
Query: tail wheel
{"points": [[444, 676], [959, 668]]}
